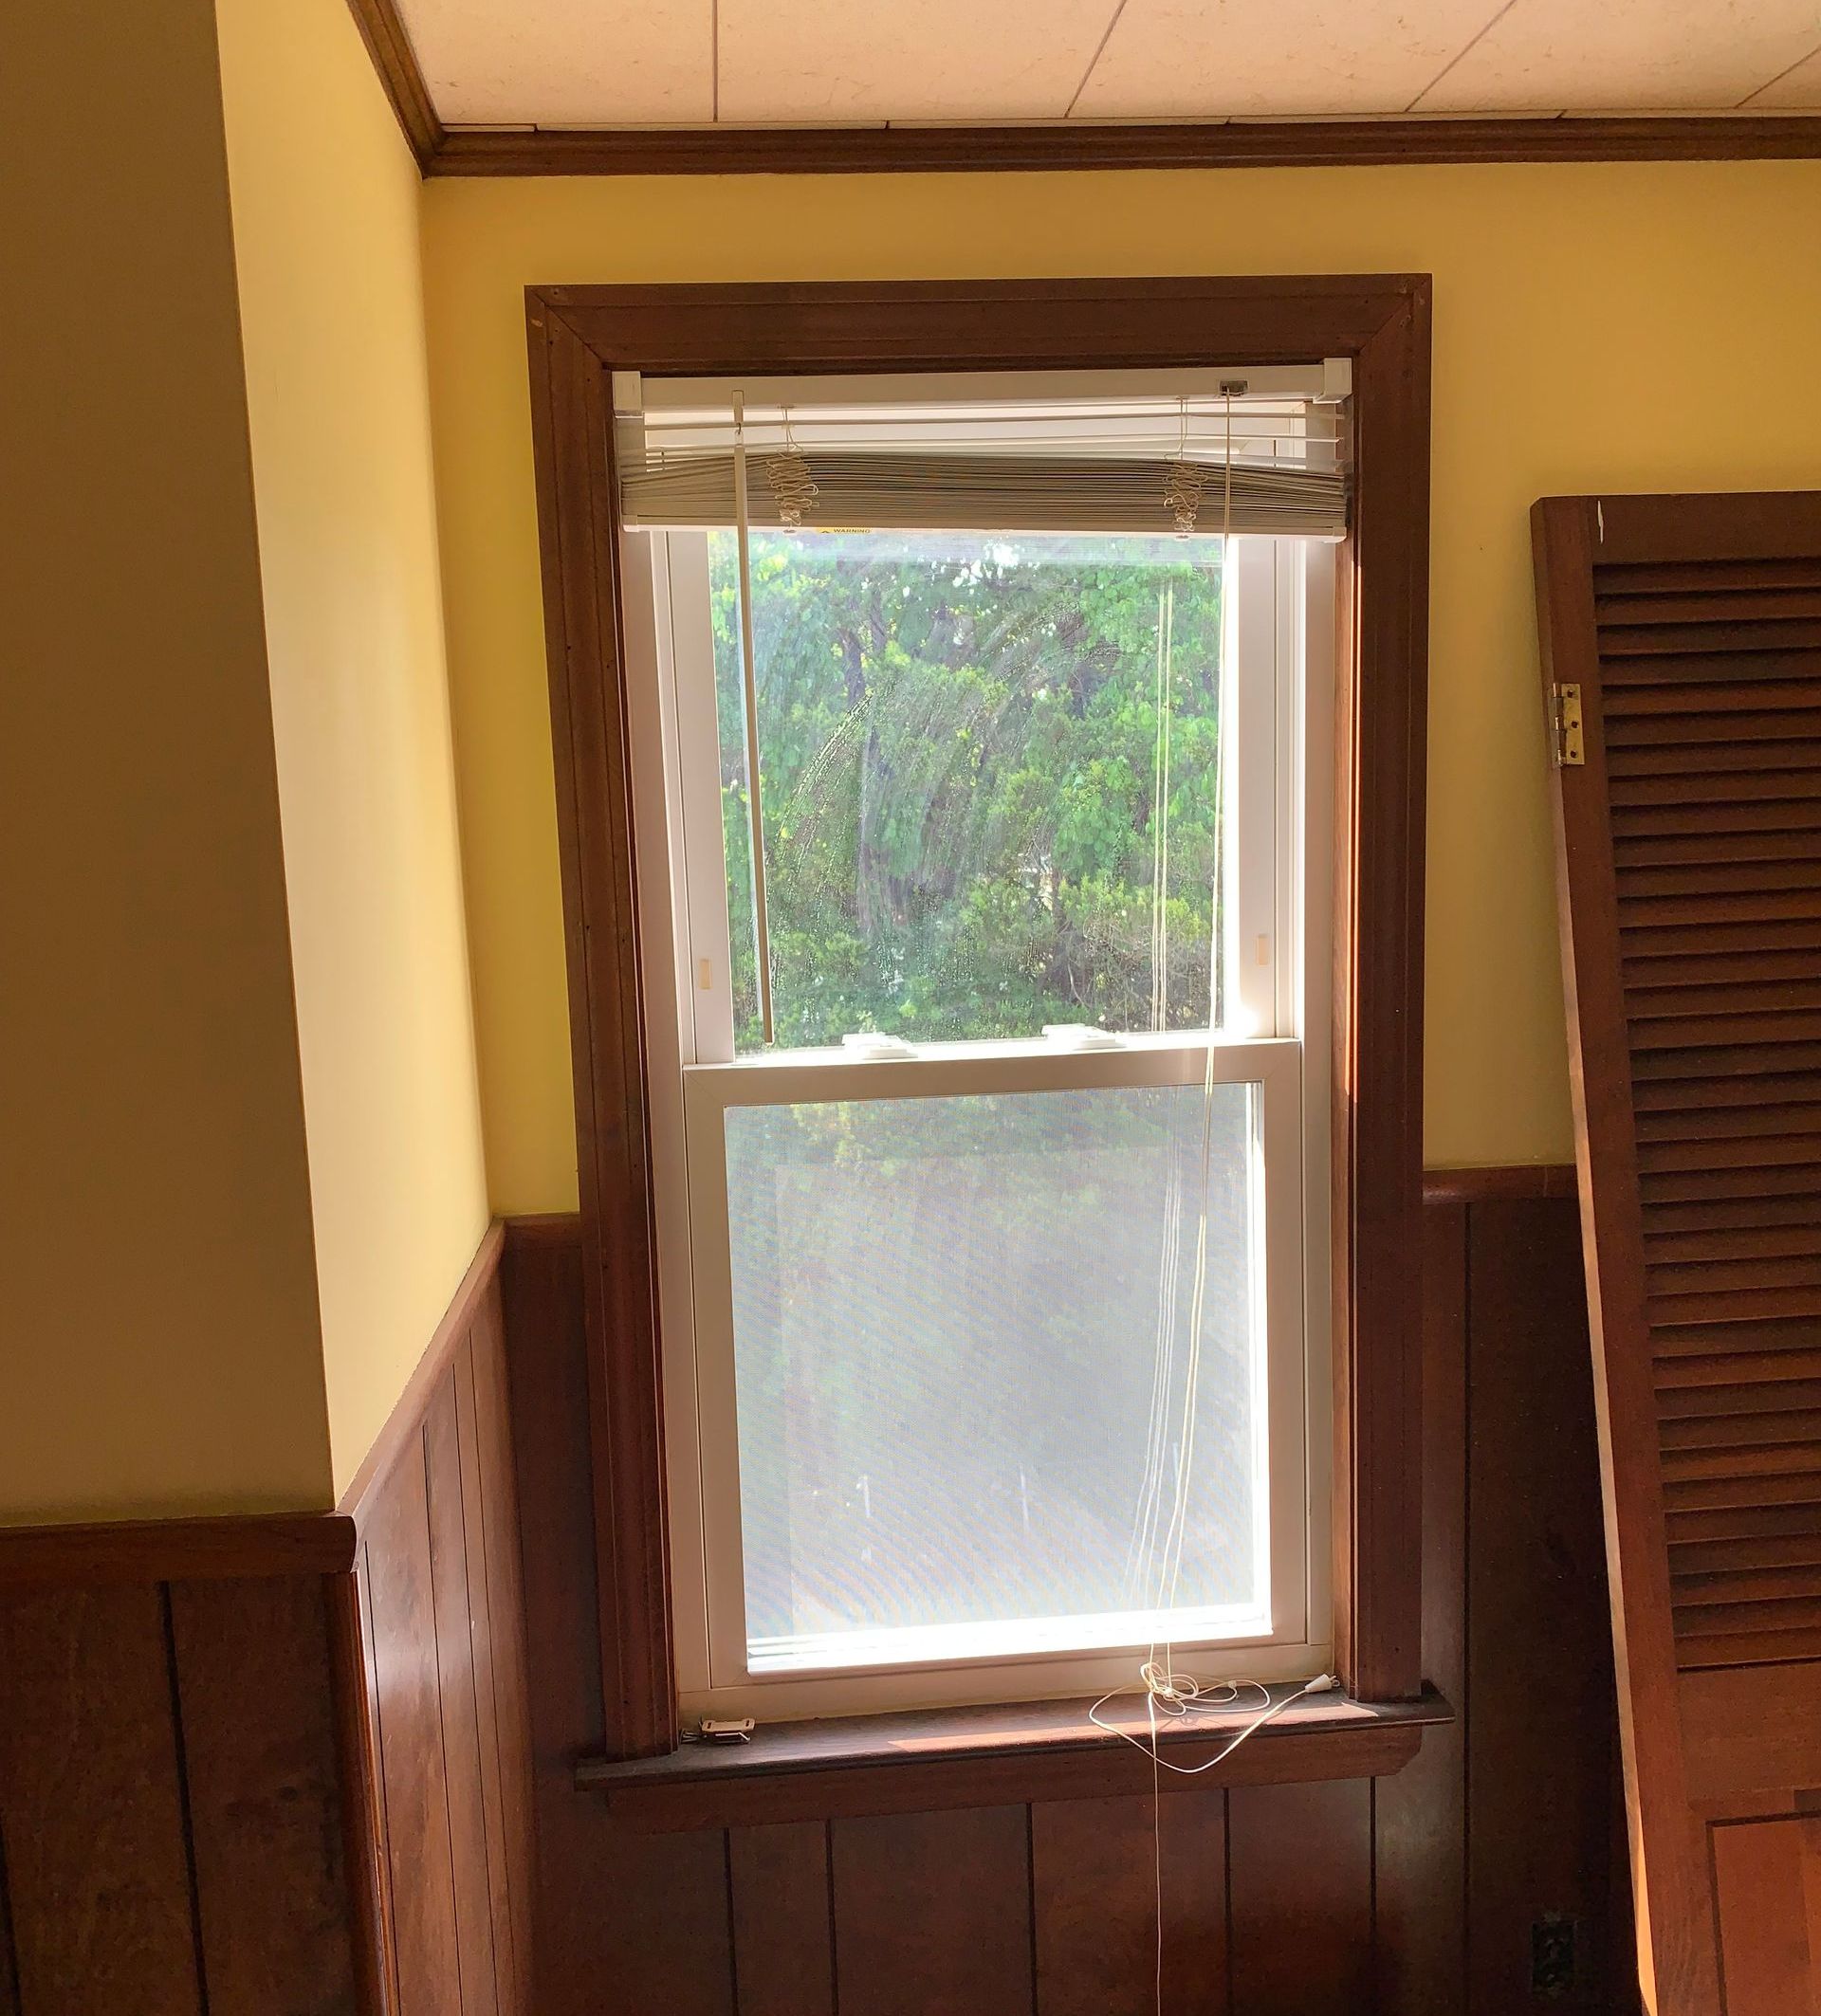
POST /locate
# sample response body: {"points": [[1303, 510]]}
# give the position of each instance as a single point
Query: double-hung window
{"points": [[982, 749]]}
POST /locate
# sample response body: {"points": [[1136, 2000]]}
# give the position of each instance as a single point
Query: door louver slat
{"points": [[1690, 884]]}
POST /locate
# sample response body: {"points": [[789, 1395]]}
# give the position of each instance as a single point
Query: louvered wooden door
{"points": [[1681, 649]]}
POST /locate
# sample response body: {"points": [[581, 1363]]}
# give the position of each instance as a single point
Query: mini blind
{"points": [[1085, 457], [1682, 648]]}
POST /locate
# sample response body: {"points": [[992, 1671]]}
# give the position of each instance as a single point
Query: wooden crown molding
{"points": [[1278, 144], [399, 76]]}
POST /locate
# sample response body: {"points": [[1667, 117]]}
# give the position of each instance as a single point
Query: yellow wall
{"points": [[158, 1313], [325, 210], [1617, 327]]}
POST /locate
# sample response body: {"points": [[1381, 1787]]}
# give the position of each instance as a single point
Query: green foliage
{"points": [[958, 743]]}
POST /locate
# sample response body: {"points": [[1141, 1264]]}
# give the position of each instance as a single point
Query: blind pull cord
{"points": [[750, 683]]}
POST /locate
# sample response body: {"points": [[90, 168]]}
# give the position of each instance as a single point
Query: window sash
{"points": [[1264, 594], [713, 1669], [1282, 790]]}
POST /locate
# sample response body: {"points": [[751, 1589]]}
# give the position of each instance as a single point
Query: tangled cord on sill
{"points": [[1182, 1695]]}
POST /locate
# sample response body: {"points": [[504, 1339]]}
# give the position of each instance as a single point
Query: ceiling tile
{"points": [[820, 59], [1796, 90], [555, 62], [1628, 55], [1171, 59]]}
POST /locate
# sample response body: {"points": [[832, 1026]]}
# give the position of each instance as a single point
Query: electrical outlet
{"points": [[1552, 1957]]}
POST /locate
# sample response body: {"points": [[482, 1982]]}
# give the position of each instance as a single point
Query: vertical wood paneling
{"points": [[453, 1609], [1420, 1812], [254, 1684], [933, 1913], [411, 1765], [92, 1805], [783, 1958], [1300, 1885], [1768, 1876], [488, 1689], [382, 1818], [8, 1958], [1097, 1868], [1538, 1633], [504, 1577]]}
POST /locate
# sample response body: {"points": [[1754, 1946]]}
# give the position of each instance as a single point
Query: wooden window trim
{"points": [[923, 1762], [577, 338]]}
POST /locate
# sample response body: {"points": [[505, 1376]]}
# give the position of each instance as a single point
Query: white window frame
{"points": [[1279, 661]]}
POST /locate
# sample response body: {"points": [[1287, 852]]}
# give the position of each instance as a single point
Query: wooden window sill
{"points": [[839, 1769]]}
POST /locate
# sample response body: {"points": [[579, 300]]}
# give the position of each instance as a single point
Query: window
{"points": [[617, 814], [991, 1198]]}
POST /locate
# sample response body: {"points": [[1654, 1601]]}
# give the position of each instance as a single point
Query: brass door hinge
{"points": [[1570, 743]]}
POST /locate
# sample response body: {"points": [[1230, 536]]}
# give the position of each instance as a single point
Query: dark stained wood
{"points": [[92, 1805], [1540, 1781], [1669, 1860], [631, 1922], [1751, 1730], [427, 1376], [459, 1714], [421, 1871], [577, 522], [389, 45], [1498, 1183], [496, 1645], [664, 1941], [1315, 143], [497, 1494], [1098, 1869], [901, 1786], [577, 337], [254, 1684], [778, 1889], [1419, 1816], [988, 1756], [1301, 1880], [354, 1697], [1752, 528], [1381, 733], [1768, 1878], [979, 324], [9, 1961], [1690, 855], [62, 1557], [964, 1947]]}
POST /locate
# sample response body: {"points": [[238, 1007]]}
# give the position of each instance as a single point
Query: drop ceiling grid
{"points": [[689, 62]]}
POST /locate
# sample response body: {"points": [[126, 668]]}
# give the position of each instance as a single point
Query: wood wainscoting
{"points": [[280, 1766], [1486, 1876], [302, 1768]]}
